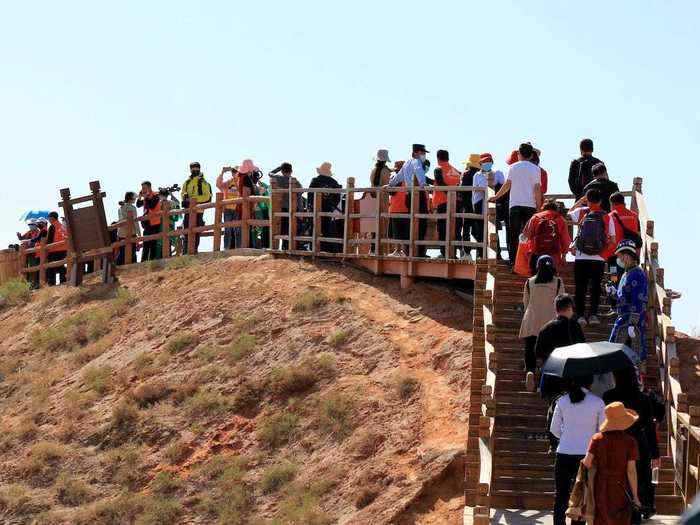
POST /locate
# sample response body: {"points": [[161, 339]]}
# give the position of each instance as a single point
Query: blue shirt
{"points": [[408, 170], [633, 295], [481, 181]]}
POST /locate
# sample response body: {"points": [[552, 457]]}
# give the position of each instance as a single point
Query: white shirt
{"points": [[408, 170], [481, 181], [575, 424], [577, 216], [523, 177]]}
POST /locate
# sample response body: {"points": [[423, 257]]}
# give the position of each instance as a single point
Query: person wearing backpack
{"points": [[547, 234], [196, 189], [589, 248], [539, 296], [581, 169]]}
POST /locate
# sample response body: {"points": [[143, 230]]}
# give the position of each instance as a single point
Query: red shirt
{"points": [[627, 217]]}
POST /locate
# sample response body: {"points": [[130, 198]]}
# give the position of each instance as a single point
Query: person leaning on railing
{"points": [[281, 178], [150, 200], [232, 236], [126, 206], [329, 203]]}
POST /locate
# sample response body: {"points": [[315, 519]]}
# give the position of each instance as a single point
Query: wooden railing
{"points": [[364, 232]]}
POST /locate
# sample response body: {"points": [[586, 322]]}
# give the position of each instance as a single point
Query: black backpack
{"points": [[585, 170], [592, 237]]}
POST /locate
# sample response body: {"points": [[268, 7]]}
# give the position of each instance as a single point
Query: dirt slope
{"points": [[235, 390]]}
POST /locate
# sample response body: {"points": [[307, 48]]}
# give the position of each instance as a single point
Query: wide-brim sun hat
{"points": [[382, 155], [247, 166], [473, 161], [617, 417], [325, 169]]}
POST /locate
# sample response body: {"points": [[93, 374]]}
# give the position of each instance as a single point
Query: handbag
{"points": [[627, 233]]}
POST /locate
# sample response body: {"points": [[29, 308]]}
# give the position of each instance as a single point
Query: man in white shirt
{"points": [[524, 185]]}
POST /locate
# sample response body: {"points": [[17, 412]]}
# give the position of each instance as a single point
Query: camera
{"points": [[167, 190]]}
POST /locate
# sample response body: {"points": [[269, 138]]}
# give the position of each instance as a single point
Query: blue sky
{"points": [[125, 91]]}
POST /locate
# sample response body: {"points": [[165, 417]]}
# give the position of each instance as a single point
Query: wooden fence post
{"points": [[349, 208], [128, 240], [379, 225], [315, 243], [191, 225], [450, 224], [42, 263], [218, 212], [292, 222], [23, 258], [165, 229], [245, 217]]}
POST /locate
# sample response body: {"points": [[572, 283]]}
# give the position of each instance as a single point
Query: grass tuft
{"points": [[276, 476], [334, 415], [278, 429], [310, 300], [98, 379], [406, 386], [72, 492], [15, 292], [239, 348], [181, 342], [291, 380]]}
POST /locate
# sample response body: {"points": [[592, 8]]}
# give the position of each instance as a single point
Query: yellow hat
{"points": [[617, 417], [474, 161]]}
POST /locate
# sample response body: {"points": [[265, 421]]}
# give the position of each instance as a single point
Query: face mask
{"points": [[421, 157], [620, 262], [486, 166]]}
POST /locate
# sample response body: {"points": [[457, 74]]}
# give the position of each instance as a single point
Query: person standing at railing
{"points": [[262, 212], [632, 299], [281, 178], [415, 168], [481, 180], [329, 204], [445, 175], [246, 182], [466, 227], [581, 169], [230, 191], [198, 191], [524, 184], [126, 206], [150, 201], [378, 178], [56, 249]]}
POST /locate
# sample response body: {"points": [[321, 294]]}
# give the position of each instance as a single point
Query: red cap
{"points": [[486, 157], [513, 157]]}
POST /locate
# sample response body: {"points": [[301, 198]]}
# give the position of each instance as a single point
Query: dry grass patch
{"points": [[241, 347], [144, 365], [124, 465], [166, 484], [228, 498], [278, 429], [183, 261], [246, 398], [125, 416], [277, 476], [14, 498], [15, 292], [366, 496], [302, 506], [176, 452], [365, 443], [406, 386], [334, 415], [338, 338], [149, 393], [86, 354], [181, 342], [72, 492], [310, 300], [98, 379], [291, 380], [42, 463], [26, 429], [205, 403], [112, 511]]}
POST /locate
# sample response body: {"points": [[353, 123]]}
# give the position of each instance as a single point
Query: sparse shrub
{"points": [[406, 386], [124, 416], [335, 415], [149, 393], [112, 511], [302, 506], [13, 498], [338, 338], [91, 351], [204, 404], [278, 429], [72, 492], [98, 378], [176, 452], [234, 466], [181, 342], [76, 403], [246, 398], [366, 496], [66, 431], [365, 443], [239, 348], [155, 266], [276, 476], [124, 466], [183, 391], [310, 300], [228, 499], [42, 462], [292, 380], [15, 292], [26, 429], [207, 353], [325, 363], [143, 365], [178, 263], [166, 484]]}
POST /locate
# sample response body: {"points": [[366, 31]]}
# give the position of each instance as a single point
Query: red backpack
{"points": [[546, 238]]}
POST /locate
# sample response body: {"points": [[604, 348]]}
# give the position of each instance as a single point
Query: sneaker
{"points": [[395, 253], [582, 322], [402, 253], [593, 320], [530, 382]]}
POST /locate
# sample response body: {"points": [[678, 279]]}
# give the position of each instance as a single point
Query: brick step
{"points": [[531, 484], [520, 445]]}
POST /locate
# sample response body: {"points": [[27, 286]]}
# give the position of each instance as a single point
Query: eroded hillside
{"points": [[235, 390]]}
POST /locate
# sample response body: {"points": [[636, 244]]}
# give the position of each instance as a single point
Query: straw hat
{"points": [[247, 166], [617, 417], [474, 161], [325, 169]]}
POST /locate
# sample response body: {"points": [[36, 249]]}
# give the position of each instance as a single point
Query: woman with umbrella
{"points": [[577, 417], [614, 454]]}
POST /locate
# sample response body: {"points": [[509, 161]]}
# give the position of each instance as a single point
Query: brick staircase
{"points": [[523, 470]]}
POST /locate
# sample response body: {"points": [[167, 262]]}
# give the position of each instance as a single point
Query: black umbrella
{"points": [[692, 515], [589, 359]]}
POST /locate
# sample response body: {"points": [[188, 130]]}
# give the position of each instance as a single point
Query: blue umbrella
{"points": [[34, 214]]}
